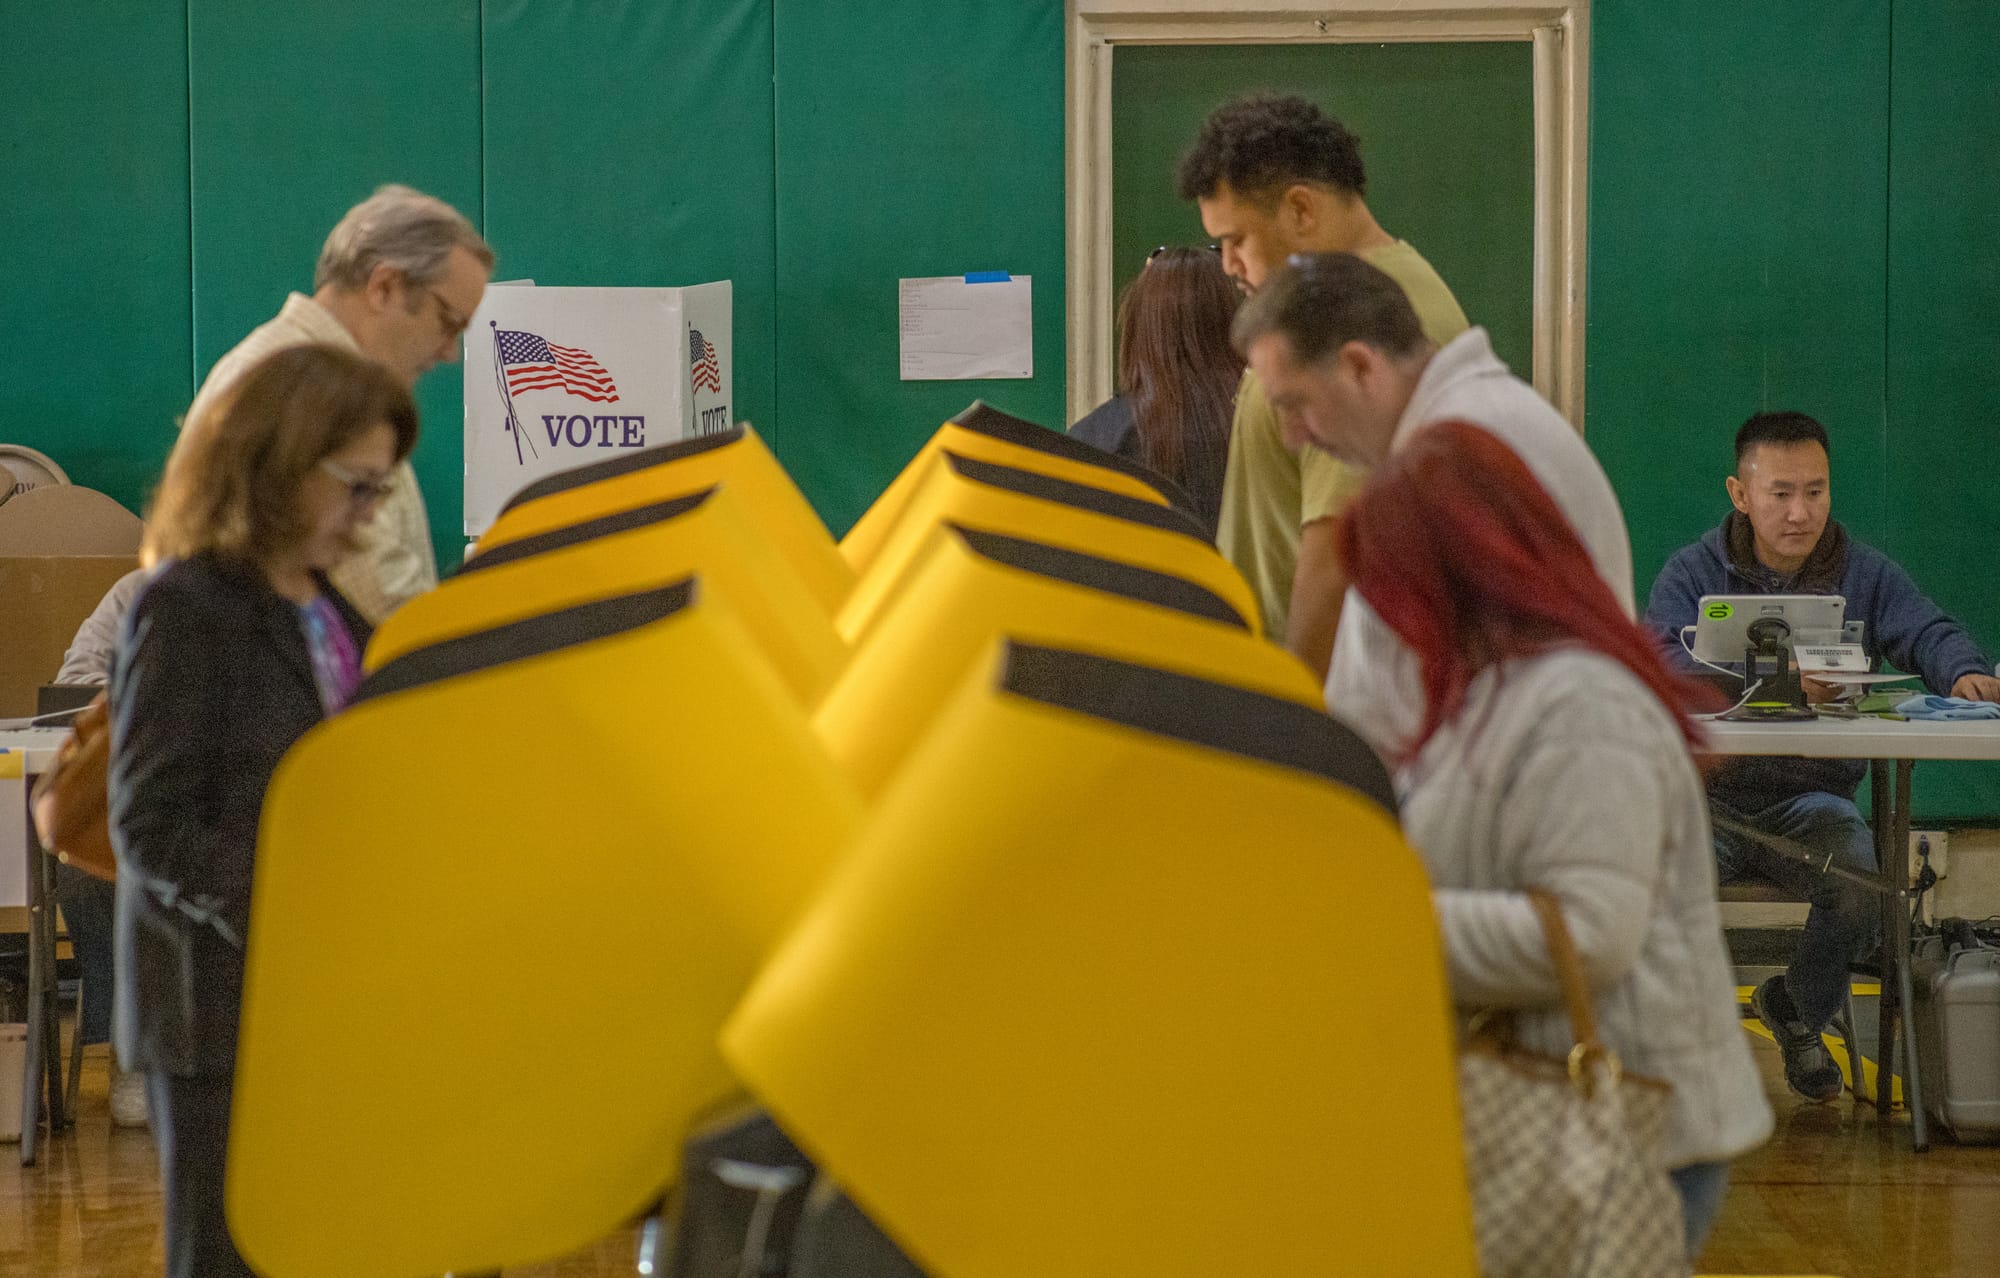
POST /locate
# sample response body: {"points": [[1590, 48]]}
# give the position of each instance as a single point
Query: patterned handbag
{"points": [[1564, 1155]]}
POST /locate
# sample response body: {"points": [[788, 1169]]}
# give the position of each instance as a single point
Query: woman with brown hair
{"points": [[234, 649], [1177, 375]]}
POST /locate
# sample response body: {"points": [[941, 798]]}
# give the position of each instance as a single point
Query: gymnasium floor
{"points": [[1834, 1192]]}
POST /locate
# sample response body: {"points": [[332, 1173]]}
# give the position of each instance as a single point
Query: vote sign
{"points": [[559, 377]]}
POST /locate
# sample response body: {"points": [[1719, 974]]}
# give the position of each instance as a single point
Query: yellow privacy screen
{"points": [[502, 906], [1078, 1001], [984, 433], [1018, 503], [736, 457], [973, 587], [647, 546]]}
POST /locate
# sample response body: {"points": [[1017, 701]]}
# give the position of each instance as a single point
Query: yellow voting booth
{"points": [[970, 587], [1021, 503], [736, 458], [708, 532], [503, 904], [1077, 1002], [984, 433]]}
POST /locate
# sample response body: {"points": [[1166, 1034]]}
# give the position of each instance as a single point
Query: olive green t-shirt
{"points": [[1270, 493]]}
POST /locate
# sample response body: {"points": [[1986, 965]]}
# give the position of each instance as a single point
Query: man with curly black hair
{"points": [[1273, 176]]}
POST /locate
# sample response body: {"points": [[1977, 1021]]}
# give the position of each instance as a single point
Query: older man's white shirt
{"points": [[1373, 684], [395, 562]]}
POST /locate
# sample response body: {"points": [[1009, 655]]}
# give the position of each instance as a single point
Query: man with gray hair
{"points": [[397, 281], [1347, 366]]}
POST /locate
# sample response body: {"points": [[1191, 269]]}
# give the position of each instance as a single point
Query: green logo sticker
{"points": [[1719, 611]]}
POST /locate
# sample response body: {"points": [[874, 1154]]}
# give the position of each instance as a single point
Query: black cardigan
{"points": [[213, 682]]}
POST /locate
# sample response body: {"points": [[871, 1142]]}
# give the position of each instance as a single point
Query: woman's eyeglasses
{"points": [[361, 490]]}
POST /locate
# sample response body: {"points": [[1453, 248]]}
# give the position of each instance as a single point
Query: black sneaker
{"points": [[1809, 1067]]}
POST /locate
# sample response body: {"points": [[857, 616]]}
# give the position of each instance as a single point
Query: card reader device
{"points": [[1816, 625], [1772, 635]]}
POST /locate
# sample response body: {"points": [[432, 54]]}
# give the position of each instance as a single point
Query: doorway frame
{"points": [[1560, 33]]}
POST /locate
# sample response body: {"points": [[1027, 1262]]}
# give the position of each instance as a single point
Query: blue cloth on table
{"points": [[1929, 706]]}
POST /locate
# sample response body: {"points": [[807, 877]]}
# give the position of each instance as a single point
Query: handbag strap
{"points": [[1569, 972]]}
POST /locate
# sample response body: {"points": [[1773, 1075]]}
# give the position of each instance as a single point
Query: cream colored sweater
{"points": [[1565, 773]]}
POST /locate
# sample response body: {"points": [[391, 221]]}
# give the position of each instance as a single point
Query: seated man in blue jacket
{"points": [[1779, 540]]}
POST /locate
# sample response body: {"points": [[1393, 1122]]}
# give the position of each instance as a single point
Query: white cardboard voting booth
{"points": [[559, 377]]}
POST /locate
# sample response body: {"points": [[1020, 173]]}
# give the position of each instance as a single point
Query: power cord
{"points": [[1926, 879], [1689, 650], [1748, 693]]}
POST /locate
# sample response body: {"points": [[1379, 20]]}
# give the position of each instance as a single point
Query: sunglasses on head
{"points": [[1213, 248]]}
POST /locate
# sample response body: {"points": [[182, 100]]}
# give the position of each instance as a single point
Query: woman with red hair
{"points": [[1554, 753]]}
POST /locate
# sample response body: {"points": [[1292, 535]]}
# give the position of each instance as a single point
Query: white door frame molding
{"points": [[1560, 33]]}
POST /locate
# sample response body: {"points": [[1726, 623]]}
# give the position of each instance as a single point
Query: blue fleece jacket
{"points": [[1902, 626]]}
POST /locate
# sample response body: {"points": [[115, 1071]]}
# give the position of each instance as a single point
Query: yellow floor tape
{"points": [[1834, 1046]]}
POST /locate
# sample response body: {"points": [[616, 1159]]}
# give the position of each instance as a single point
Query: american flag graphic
{"points": [[701, 363], [534, 363]]}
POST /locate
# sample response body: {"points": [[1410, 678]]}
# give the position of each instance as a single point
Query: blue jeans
{"points": [[1701, 1187], [1845, 918], [86, 910]]}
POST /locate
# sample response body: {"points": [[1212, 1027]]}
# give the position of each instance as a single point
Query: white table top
{"points": [[1860, 739], [39, 744]]}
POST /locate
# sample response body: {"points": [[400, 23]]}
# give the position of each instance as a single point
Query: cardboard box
{"points": [[61, 548]]}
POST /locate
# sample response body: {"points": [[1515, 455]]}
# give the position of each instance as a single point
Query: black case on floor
{"points": [[743, 1188], [749, 1194]]}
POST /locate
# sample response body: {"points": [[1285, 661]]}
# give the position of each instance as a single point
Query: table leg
{"points": [[1881, 791], [52, 1057], [1913, 1091], [31, 1077], [42, 1082]]}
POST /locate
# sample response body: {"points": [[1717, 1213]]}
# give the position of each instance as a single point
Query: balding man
{"points": [[397, 281]]}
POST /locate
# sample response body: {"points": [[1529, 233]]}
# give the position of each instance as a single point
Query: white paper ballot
{"points": [[957, 327]]}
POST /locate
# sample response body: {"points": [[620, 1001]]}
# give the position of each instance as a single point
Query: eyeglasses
{"points": [[361, 490], [1213, 248], [454, 323]]}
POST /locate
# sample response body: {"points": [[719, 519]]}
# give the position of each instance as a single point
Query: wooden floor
{"points": [[1834, 1192]]}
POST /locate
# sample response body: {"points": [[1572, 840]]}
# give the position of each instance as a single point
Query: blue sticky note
{"points": [[987, 277]]}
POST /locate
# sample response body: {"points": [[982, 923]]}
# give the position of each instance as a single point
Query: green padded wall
{"points": [[1941, 509], [297, 113], [652, 165], [1447, 137], [93, 181], [1738, 218], [1783, 215], [912, 139]]}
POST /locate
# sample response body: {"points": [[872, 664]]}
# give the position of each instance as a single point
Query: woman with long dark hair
{"points": [[232, 652], [1555, 753], [1177, 375]]}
